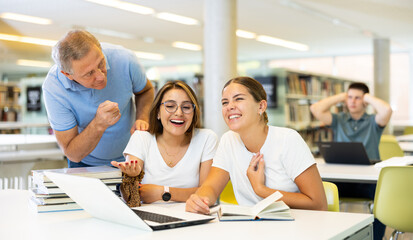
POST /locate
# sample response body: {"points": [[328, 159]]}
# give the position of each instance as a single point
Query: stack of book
{"points": [[48, 197]]}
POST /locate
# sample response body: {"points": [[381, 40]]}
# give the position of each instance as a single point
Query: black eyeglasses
{"points": [[172, 106]]}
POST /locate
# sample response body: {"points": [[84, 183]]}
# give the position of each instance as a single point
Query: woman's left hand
{"points": [[256, 172], [150, 193]]}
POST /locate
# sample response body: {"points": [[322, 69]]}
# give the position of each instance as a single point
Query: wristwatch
{"points": [[166, 196]]}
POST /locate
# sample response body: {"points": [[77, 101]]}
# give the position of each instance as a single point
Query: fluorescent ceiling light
{"points": [[110, 33], [127, 6], [177, 18], [38, 41], [31, 63], [151, 56], [282, 43], [188, 46], [246, 34], [25, 18]]}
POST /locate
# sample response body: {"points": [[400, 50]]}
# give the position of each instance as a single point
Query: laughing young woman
{"points": [[176, 155], [258, 158]]}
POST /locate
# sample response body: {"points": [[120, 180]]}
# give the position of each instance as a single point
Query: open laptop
{"points": [[100, 202], [345, 153]]}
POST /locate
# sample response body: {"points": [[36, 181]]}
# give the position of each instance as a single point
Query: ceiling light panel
{"points": [[127, 6], [187, 46], [177, 18], [32, 63], [25, 18], [31, 40], [245, 34], [150, 56], [282, 43]]}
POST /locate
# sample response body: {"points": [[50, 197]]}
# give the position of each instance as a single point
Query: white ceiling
{"points": [[309, 22]]}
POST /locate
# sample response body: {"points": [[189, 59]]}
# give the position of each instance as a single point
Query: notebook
{"points": [[100, 202], [345, 153]]}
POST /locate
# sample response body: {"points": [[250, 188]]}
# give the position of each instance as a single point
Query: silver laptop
{"points": [[100, 202], [345, 153]]}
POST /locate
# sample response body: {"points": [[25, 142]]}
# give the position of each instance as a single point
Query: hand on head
{"points": [[107, 114], [130, 168], [197, 204]]}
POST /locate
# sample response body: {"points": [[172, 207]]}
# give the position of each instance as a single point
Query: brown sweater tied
{"points": [[129, 189]]}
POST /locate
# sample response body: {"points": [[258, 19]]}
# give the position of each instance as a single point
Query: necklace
{"points": [[171, 157]]}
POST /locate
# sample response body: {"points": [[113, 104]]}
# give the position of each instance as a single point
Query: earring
{"points": [[260, 113], [158, 117]]}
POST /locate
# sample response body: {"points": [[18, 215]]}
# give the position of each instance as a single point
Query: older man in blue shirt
{"points": [[88, 95], [357, 126]]}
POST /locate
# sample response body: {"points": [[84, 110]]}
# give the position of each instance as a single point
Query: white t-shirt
{"points": [[185, 174], [286, 156]]}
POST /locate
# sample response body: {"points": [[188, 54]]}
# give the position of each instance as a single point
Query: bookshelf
{"points": [[296, 91], [9, 105]]}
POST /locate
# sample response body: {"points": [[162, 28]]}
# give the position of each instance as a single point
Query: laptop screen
{"points": [[344, 153]]}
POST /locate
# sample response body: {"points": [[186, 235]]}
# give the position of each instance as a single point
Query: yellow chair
{"points": [[332, 196], [227, 195], [389, 147], [393, 199], [408, 130]]}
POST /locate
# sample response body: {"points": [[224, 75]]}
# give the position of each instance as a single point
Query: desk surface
{"points": [[347, 172], [405, 138], [19, 224], [407, 147]]}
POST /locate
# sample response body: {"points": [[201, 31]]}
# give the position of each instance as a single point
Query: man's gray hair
{"points": [[73, 46]]}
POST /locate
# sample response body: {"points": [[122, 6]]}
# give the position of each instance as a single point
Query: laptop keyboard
{"points": [[155, 217]]}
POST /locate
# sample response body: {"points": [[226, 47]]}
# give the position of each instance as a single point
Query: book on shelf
{"points": [[267, 209], [101, 172]]}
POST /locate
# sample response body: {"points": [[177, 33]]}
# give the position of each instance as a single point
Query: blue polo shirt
{"points": [[364, 130], [69, 104]]}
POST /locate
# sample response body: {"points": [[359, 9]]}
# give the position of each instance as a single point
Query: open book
{"points": [[267, 209]]}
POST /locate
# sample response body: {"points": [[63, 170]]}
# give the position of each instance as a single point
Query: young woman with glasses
{"points": [[175, 154]]}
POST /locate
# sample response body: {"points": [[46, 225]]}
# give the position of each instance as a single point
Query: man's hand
{"points": [[139, 125], [108, 113], [256, 172]]}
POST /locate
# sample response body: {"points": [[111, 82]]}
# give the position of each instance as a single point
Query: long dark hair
{"points": [[155, 125]]}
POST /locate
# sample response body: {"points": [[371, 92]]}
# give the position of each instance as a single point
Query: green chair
{"points": [[393, 201], [227, 195], [331, 191], [389, 147], [408, 130]]}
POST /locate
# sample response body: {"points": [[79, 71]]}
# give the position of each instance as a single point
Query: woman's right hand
{"points": [[130, 168], [197, 204]]}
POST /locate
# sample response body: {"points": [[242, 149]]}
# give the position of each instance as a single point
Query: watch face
{"points": [[166, 196]]}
